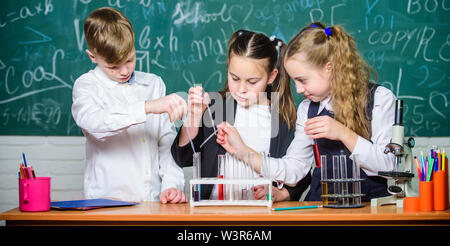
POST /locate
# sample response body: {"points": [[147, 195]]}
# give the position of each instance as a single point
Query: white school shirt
{"points": [[253, 124], [127, 152], [299, 156]]}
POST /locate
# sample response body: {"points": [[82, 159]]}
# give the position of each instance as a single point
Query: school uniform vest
{"points": [[372, 186]]}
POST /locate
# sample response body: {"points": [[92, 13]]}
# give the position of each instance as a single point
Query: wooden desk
{"points": [[154, 213]]}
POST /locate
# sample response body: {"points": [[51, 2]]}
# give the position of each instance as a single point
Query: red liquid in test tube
{"points": [[220, 189], [316, 154]]}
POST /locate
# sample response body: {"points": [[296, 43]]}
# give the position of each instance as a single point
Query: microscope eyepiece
{"points": [[398, 112]]}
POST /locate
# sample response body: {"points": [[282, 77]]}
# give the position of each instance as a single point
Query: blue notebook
{"points": [[89, 204]]}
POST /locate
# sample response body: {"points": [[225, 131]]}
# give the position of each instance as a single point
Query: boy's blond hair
{"points": [[109, 34]]}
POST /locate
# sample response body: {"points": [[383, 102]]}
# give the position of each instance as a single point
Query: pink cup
{"points": [[34, 194]]}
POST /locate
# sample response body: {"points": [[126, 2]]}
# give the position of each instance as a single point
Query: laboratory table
{"points": [[154, 213]]}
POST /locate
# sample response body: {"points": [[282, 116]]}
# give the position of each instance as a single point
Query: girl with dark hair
{"points": [[255, 101]]}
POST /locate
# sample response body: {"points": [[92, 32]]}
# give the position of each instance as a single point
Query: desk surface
{"points": [[154, 213]]}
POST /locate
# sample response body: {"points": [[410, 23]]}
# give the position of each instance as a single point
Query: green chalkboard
{"points": [[42, 50]]}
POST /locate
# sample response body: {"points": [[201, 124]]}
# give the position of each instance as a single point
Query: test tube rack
{"points": [[340, 198], [231, 200]]}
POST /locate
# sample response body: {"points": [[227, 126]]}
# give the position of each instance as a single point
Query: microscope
{"points": [[404, 162]]}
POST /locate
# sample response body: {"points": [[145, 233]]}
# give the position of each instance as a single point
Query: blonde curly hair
{"points": [[350, 75]]}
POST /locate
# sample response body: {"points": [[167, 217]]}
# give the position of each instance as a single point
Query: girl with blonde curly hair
{"points": [[343, 112]]}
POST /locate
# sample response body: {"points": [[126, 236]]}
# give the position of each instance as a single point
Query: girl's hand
{"points": [[324, 127], [327, 127], [278, 195], [230, 139], [172, 195], [197, 102]]}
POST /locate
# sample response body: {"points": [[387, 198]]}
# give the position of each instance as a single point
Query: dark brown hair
{"points": [[260, 47]]}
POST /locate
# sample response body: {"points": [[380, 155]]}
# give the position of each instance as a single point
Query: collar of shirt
{"points": [[109, 83], [325, 103], [132, 79]]}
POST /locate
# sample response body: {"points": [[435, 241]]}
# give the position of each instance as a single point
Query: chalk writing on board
{"points": [[187, 13], [43, 7], [417, 6], [185, 42], [29, 77], [46, 114]]}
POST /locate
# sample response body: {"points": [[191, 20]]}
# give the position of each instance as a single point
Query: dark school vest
{"points": [[372, 186]]}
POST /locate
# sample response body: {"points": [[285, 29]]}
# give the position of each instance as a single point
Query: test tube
{"points": [[336, 177], [323, 176], [250, 174], [244, 172], [196, 174], [265, 170], [230, 175], [236, 168], [220, 174], [356, 183], [316, 153], [344, 185]]}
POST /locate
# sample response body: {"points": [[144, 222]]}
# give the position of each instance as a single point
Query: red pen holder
{"points": [[411, 204], [426, 198], [446, 184], [440, 190]]}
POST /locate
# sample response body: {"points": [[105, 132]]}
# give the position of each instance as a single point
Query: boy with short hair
{"points": [[122, 115]]}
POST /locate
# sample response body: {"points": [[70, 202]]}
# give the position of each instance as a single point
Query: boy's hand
{"points": [[172, 104], [172, 195]]}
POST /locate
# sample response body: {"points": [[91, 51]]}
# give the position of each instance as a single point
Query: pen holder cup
{"points": [[34, 194], [426, 196], [440, 190], [411, 204]]}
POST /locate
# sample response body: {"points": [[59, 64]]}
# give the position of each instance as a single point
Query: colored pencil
{"points": [[22, 175], [294, 208], [418, 168], [443, 160], [24, 159], [32, 172], [430, 169]]}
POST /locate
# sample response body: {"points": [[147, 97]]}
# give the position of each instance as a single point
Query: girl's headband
{"points": [[278, 43], [327, 30], [272, 38]]}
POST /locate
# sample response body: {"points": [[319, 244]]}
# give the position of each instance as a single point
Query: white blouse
{"points": [[127, 152], [254, 126], [299, 157]]}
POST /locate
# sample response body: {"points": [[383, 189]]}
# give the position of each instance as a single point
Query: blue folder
{"points": [[89, 204]]}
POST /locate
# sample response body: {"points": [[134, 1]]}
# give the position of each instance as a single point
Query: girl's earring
{"points": [[329, 68]]}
